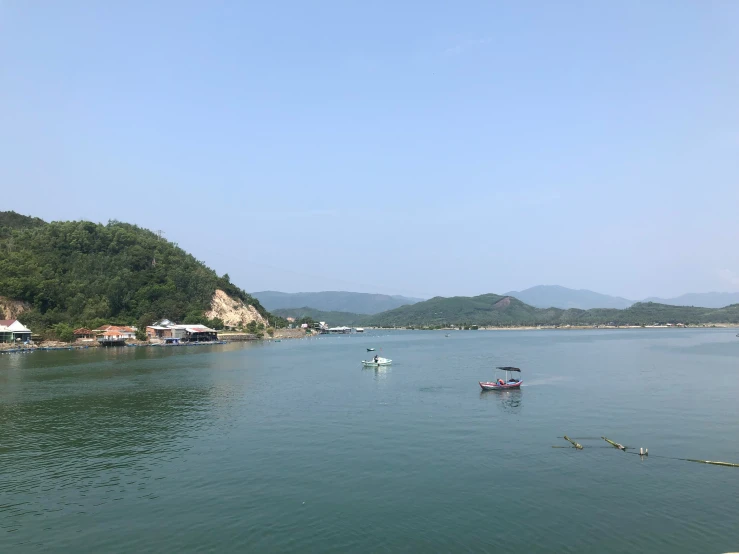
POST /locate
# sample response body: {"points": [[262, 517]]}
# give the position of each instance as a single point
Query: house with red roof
{"points": [[116, 332]]}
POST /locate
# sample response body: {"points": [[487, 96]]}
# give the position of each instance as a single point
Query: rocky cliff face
{"points": [[233, 313], [11, 309]]}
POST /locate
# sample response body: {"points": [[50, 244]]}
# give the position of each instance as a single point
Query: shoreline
{"points": [[567, 328], [225, 338], [293, 334]]}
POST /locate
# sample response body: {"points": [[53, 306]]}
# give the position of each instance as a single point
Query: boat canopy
{"points": [[507, 368]]}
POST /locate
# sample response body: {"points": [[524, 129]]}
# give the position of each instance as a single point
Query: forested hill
{"points": [[12, 220], [84, 273], [332, 319], [495, 310], [333, 301]]}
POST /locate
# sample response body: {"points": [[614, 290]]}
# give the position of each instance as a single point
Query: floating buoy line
{"points": [[643, 452]]}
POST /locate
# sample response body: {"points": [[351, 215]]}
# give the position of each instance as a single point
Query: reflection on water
{"points": [[381, 373], [506, 400], [80, 437], [291, 449]]}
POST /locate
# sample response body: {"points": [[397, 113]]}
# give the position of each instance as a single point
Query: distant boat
{"points": [[446, 335], [359, 330], [500, 384], [372, 349], [379, 362]]}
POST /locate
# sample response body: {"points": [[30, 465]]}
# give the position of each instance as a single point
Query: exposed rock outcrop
{"points": [[233, 312], [11, 309], [502, 303]]}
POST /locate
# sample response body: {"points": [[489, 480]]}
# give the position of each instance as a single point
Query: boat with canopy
{"points": [[510, 382]]}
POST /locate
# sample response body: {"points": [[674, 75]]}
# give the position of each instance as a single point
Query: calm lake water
{"points": [[293, 447]]}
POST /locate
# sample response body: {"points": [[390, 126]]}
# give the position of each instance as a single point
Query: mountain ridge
{"points": [[539, 296], [508, 311], [86, 274], [333, 319], [557, 296], [333, 301], [700, 299]]}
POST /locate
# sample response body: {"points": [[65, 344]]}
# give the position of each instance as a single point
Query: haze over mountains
{"points": [[541, 296], [703, 299], [333, 301], [555, 296], [508, 311]]}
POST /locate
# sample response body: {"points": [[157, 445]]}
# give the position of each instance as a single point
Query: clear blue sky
{"points": [[415, 147]]}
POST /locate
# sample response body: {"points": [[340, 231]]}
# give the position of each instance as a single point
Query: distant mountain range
{"points": [[344, 306], [333, 301], [703, 299], [334, 319], [554, 296], [502, 311]]}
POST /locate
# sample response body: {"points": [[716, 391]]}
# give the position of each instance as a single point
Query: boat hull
{"points": [[498, 386], [372, 363]]}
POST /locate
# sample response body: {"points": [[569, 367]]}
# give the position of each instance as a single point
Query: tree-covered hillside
{"points": [[332, 319], [495, 310], [555, 296], [333, 301], [83, 273], [13, 220], [486, 309]]}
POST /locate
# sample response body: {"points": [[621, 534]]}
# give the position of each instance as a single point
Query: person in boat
{"points": [[376, 358], [501, 382]]}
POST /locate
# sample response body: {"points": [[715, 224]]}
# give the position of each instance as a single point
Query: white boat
{"points": [[379, 362], [359, 330]]}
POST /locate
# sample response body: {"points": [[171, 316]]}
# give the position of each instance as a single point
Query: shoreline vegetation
{"points": [[226, 337], [561, 327], [503, 312], [229, 337], [60, 276]]}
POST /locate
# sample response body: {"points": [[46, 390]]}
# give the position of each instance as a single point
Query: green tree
{"points": [[77, 272], [64, 332], [215, 323], [145, 320]]}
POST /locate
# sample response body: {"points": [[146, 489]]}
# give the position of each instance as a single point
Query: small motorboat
{"points": [[376, 363], [370, 350], [504, 384]]}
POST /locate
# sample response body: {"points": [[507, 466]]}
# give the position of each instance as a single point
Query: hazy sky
{"points": [[414, 147]]}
